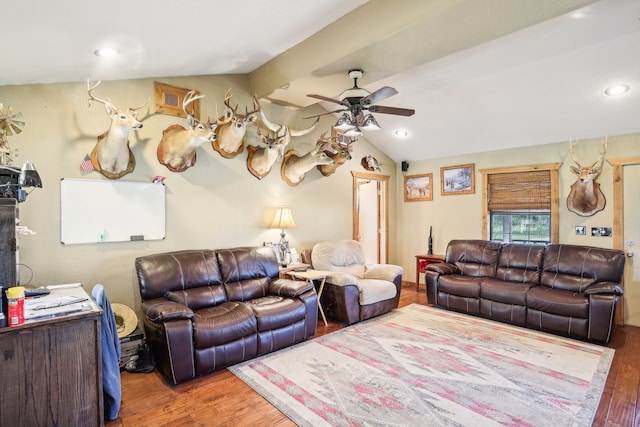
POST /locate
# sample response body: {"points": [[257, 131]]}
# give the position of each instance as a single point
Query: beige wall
{"points": [[218, 203], [215, 204], [460, 216]]}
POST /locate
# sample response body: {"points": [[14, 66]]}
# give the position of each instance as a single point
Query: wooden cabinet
{"points": [[51, 372], [421, 265]]}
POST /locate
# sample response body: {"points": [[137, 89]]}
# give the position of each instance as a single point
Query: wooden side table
{"points": [[292, 267], [312, 275], [421, 265]]}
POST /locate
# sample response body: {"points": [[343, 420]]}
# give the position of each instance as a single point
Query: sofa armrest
{"points": [[604, 288], [289, 288], [383, 271], [443, 268], [160, 310], [339, 278]]}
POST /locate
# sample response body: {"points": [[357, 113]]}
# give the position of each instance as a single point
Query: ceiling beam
{"points": [[369, 36]]}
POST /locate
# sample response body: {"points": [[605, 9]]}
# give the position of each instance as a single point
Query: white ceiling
{"points": [[481, 75]]}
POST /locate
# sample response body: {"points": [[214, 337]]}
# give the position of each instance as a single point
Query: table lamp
{"points": [[283, 219]]}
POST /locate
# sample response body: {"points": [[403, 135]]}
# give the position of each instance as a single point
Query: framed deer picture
{"points": [[418, 188]]}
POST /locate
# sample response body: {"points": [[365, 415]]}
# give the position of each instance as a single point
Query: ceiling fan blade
{"points": [[323, 114], [379, 95], [391, 110], [324, 98]]}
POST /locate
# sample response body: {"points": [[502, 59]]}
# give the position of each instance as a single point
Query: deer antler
{"points": [[142, 106], [189, 99], [256, 107], [571, 145], [227, 97], [92, 97], [604, 150]]}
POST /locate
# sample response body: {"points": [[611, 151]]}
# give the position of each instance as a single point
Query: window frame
{"points": [[555, 202]]}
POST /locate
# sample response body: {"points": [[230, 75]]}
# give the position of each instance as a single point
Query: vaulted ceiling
{"points": [[481, 75]]}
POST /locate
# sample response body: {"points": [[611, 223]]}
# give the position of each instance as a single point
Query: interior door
{"points": [[631, 242], [370, 215]]}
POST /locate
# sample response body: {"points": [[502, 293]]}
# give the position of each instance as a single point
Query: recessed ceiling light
{"points": [[616, 90], [107, 51], [401, 133]]}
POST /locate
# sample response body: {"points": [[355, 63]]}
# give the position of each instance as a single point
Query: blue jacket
{"points": [[110, 355]]}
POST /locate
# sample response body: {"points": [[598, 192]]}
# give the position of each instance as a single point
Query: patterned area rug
{"points": [[422, 366]]}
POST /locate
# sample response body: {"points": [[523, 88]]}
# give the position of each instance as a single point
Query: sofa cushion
{"points": [[556, 301], [345, 256], [273, 312], [506, 292], [476, 258], [383, 271], [375, 290], [222, 324], [198, 298], [520, 263], [463, 286], [172, 271], [574, 268], [247, 272]]}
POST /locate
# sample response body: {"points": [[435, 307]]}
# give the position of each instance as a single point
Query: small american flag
{"points": [[86, 166]]}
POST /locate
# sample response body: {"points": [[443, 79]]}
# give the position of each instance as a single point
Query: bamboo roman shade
{"points": [[519, 190]]}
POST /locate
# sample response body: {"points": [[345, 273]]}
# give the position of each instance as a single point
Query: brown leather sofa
{"points": [[208, 309], [565, 289]]}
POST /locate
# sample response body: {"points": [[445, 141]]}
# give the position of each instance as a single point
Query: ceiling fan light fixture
{"points": [[370, 123], [353, 132], [344, 123]]}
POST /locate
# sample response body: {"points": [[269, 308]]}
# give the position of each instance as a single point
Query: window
{"points": [[521, 227], [520, 204]]}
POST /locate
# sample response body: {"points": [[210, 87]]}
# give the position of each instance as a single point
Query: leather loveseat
{"points": [[353, 290], [565, 289], [208, 309]]}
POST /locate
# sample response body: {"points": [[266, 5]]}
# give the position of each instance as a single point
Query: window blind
{"points": [[519, 190]]}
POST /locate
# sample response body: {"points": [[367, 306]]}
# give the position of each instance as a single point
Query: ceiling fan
{"points": [[355, 102]]}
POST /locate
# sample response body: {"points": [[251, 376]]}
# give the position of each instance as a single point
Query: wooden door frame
{"points": [[374, 177], [618, 165]]}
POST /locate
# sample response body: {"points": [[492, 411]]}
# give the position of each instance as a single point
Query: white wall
{"points": [[215, 204]]}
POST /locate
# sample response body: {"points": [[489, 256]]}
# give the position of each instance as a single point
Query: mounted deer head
{"points": [[284, 129], [586, 198], [294, 167], [339, 153], [260, 160], [177, 148], [232, 128], [111, 156]]}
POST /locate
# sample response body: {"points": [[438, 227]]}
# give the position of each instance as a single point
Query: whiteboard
{"points": [[97, 211]]}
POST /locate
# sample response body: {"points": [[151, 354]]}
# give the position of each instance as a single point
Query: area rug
{"points": [[423, 366]]}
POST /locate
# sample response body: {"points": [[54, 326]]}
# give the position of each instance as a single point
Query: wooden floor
{"points": [[221, 399]]}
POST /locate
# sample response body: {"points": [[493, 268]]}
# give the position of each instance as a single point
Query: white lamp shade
{"points": [[283, 219]]}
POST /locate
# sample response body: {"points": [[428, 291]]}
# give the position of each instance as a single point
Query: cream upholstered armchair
{"points": [[355, 291]]}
